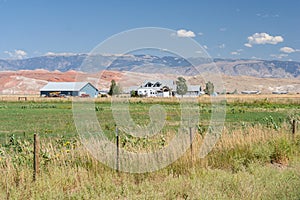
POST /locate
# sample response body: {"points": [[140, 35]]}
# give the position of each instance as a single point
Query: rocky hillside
{"points": [[155, 64], [31, 81]]}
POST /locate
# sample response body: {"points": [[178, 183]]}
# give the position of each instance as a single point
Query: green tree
{"points": [[209, 88], [181, 87], [114, 88], [133, 93]]}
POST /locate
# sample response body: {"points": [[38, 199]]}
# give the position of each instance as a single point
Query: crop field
{"points": [[256, 157]]}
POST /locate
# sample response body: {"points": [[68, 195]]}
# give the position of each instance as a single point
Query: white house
{"points": [[164, 88], [147, 92], [157, 88]]}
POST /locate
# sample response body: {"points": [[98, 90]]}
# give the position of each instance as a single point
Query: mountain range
{"points": [[156, 64]]}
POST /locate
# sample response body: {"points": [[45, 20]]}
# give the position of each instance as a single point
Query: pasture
{"points": [[256, 157]]}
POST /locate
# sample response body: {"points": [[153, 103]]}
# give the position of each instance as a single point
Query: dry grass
{"points": [[68, 171], [247, 136], [270, 98]]}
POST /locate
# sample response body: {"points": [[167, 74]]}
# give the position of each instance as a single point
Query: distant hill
{"points": [[155, 64], [31, 81]]}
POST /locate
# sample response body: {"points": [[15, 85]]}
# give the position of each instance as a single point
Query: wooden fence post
{"points": [[191, 141], [294, 126], [36, 152], [117, 160]]}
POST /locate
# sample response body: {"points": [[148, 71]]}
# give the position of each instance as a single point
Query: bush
{"points": [[281, 151]]}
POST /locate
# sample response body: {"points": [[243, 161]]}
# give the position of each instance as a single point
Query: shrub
{"points": [[281, 151]]}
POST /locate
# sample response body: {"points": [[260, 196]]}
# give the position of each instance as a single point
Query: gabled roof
{"points": [[194, 88], [169, 83], [64, 86]]}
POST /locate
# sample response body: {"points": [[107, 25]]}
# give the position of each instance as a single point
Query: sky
{"points": [[240, 29]]}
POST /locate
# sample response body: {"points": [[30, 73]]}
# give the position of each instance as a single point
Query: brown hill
{"points": [[30, 81]]}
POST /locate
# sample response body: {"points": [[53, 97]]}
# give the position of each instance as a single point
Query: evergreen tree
{"points": [[114, 88]]}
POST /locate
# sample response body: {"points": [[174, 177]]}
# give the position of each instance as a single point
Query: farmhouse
{"points": [[59, 89], [157, 88], [163, 88]]}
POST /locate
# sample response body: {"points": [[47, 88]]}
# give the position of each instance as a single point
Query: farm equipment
{"points": [[54, 94], [84, 95]]}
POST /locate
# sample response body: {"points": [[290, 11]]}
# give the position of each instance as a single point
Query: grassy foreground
{"points": [[256, 157]]}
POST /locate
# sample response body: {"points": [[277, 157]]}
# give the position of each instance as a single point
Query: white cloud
{"points": [[164, 50], [279, 56], [185, 33], [16, 54], [263, 38], [235, 53], [202, 52], [59, 54], [223, 29], [200, 34], [247, 45], [265, 15], [256, 58], [222, 46], [288, 50]]}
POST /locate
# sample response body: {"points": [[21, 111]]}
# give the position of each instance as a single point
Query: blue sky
{"points": [[228, 29]]}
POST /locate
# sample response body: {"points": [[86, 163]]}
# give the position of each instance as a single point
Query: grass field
{"points": [[255, 158]]}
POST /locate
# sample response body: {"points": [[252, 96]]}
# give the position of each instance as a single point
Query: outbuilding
{"points": [[192, 91], [61, 89]]}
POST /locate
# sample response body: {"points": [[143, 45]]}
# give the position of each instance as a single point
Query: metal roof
{"points": [[129, 89], [64, 86], [193, 88], [169, 83]]}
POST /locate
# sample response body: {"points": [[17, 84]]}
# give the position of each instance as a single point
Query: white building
{"points": [[164, 88], [157, 88], [57, 89], [148, 92], [192, 91]]}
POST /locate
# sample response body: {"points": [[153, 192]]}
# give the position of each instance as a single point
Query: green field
{"points": [[255, 158], [56, 118]]}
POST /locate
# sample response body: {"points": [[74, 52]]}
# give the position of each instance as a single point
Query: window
{"points": [[157, 84], [148, 84]]}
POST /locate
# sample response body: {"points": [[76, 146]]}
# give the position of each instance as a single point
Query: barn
{"points": [[62, 89]]}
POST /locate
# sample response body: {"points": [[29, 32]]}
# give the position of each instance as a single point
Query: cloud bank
{"points": [[16, 54]]}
